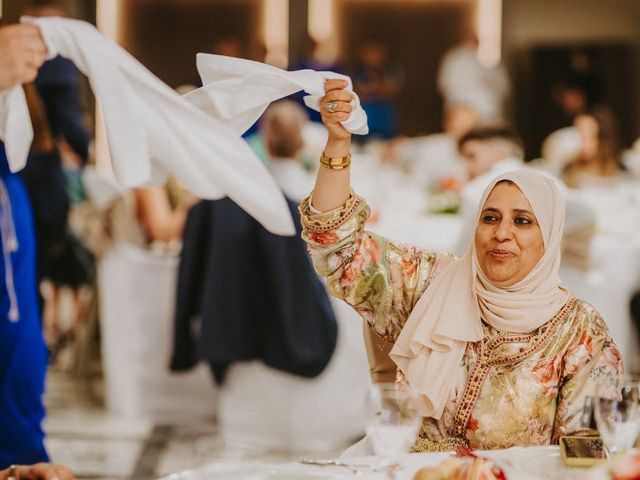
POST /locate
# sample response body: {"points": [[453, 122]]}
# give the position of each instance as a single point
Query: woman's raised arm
{"points": [[332, 188]]}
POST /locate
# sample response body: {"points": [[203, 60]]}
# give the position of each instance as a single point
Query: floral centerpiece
{"points": [[444, 195]]}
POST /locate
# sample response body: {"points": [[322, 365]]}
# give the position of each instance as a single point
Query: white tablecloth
{"points": [[533, 463]]}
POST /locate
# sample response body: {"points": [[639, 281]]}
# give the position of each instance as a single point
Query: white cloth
{"points": [[152, 130], [16, 130], [431, 345], [239, 90]]}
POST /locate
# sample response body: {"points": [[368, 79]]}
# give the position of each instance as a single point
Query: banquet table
{"points": [[520, 463]]}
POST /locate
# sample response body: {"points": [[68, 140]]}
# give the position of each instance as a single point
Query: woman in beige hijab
{"points": [[499, 352]]}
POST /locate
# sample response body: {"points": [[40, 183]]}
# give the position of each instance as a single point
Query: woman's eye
{"points": [[489, 218], [523, 221]]}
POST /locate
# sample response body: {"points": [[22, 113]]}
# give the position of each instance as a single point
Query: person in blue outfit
{"points": [[22, 350], [23, 355], [377, 81]]}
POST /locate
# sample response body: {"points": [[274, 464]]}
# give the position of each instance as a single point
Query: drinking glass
{"points": [[617, 413], [393, 420]]}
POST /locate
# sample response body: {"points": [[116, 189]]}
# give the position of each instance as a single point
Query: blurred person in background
{"points": [[147, 218], [319, 56], [585, 73], [582, 87], [45, 8], [281, 127], [464, 79], [600, 156], [161, 212], [229, 46], [377, 82], [61, 260], [58, 118], [58, 84], [430, 158], [486, 150], [279, 130]]}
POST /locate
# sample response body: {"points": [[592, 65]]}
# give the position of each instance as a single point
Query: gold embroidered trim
{"points": [[312, 223], [423, 444], [493, 352], [434, 265]]}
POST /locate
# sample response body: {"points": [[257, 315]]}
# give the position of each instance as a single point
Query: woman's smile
{"points": [[499, 254]]}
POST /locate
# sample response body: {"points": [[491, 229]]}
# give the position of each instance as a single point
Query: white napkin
{"points": [[16, 130], [151, 130], [239, 90]]}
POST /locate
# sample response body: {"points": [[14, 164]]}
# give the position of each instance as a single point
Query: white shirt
{"points": [[463, 80], [296, 183]]}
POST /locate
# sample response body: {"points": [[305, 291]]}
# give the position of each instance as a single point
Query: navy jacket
{"points": [[244, 293]]}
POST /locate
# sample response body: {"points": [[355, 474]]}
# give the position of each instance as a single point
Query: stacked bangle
{"points": [[335, 163]]}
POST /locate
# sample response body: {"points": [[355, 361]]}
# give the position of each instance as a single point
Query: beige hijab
{"points": [[430, 347]]}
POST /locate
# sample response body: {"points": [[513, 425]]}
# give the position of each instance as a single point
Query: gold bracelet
{"points": [[335, 163], [12, 474]]}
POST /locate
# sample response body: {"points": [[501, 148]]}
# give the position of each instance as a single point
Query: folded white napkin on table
{"points": [[239, 90], [151, 130]]}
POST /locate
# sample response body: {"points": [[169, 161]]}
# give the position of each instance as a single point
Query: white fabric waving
{"points": [[151, 130], [240, 90]]}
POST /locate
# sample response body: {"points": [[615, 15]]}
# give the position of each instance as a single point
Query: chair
{"points": [[137, 290], [267, 409], [137, 295]]}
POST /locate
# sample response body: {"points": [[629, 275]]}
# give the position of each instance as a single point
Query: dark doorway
{"points": [[613, 82]]}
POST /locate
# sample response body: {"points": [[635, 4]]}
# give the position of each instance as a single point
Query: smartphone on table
{"points": [[583, 451]]}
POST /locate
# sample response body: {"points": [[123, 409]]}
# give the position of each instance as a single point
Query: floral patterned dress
{"points": [[517, 389]]}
